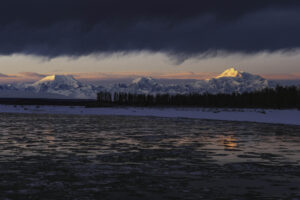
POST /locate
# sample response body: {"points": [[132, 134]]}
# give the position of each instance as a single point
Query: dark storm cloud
{"points": [[181, 28]]}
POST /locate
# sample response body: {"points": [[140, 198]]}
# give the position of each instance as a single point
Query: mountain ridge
{"points": [[66, 86]]}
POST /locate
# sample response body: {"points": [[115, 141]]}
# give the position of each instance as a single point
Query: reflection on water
{"points": [[230, 142], [82, 157]]}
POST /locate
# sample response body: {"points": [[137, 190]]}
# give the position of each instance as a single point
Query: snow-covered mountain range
{"points": [[66, 86], [229, 81]]}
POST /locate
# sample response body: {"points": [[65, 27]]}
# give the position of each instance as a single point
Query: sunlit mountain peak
{"points": [[57, 78], [231, 72], [48, 78]]}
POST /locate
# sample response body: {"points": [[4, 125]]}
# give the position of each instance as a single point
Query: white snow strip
{"points": [[291, 116]]}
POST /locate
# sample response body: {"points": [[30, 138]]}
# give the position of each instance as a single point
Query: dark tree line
{"points": [[280, 97]]}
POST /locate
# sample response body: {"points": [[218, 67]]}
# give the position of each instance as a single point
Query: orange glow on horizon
{"points": [[31, 76], [293, 76]]}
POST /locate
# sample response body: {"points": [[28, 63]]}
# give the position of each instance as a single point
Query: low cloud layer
{"points": [[179, 28]]}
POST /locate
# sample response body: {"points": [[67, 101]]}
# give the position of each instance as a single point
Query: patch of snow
{"points": [[250, 115]]}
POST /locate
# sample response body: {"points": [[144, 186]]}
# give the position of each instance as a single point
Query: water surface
{"points": [[114, 157]]}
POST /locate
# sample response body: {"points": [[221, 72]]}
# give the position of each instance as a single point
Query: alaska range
{"points": [[67, 87]]}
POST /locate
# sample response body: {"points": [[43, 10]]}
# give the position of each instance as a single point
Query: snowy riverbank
{"points": [[252, 115]]}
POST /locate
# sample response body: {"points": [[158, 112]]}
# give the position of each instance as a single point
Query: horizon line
{"points": [[94, 76]]}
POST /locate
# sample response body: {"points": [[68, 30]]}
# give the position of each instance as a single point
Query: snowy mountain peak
{"points": [[231, 72], [142, 80], [141, 85], [62, 79]]}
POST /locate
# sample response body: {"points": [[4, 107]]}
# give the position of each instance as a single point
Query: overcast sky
{"points": [[191, 38]]}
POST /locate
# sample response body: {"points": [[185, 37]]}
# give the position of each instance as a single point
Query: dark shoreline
{"points": [[93, 103], [44, 101]]}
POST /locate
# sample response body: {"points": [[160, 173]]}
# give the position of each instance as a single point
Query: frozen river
{"points": [[47, 156]]}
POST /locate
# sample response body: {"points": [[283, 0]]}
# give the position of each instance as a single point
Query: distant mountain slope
{"points": [[65, 85]]}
